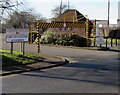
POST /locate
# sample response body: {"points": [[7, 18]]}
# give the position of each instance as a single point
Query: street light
{"points": [[108, 12]]}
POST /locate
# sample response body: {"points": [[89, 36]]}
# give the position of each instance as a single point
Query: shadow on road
{"points": [[96, 70], [113, 50], [94, 66], [40, 64], [113, 83]]}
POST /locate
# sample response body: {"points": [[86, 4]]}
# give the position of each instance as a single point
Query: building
{"points": [[71, 16]]}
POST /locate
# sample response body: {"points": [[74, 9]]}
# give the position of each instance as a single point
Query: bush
{"points": [[34, 36], [48, 38], [65, 39]]}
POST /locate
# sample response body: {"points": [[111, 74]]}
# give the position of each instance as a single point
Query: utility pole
{"points": [[108, 20], [68, 4], [108, 12], [61, 7]]}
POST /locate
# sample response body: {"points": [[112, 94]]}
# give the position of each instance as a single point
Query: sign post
{"points": [[23, 48], [11, 48], [19, 35]]}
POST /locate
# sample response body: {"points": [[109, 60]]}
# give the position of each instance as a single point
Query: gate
{"points": [[42, 24]]}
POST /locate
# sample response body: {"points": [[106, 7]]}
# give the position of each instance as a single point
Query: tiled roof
{"points": [[70, 16]]}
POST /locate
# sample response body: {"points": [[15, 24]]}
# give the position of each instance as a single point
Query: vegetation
{"points": [[17, 58], [59, 9], [65, 39], [15, 14], [113, 40], [21, 19], [108, 40]]}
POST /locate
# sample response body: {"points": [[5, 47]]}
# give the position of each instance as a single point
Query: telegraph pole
{"points": [[108, 12], [109, 19], [61, 7], [68, 4]]}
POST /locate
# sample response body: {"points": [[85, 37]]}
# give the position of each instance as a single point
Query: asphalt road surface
{"points": [[88, 72]]}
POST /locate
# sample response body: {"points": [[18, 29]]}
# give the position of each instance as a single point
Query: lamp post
{"points": [[108, 19], [108, 12]]}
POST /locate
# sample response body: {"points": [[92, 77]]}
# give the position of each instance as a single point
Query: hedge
{"points": [[64, 39]]}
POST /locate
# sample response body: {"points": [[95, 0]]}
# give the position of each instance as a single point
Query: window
{"points": [[61, 29], [72, 29], [66, 29]]}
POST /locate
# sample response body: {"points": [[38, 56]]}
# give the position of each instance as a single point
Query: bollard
{"points": [[116, 41], [106, 42], [111, 42], [94, 33], [87, 30], [38, 39]]}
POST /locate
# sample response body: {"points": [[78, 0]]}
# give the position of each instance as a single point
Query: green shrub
{"points": [[34, 36], [48, 38], [43, 39], [65, 39]]}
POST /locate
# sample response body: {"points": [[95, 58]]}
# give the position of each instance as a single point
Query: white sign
{"points": [[17, 35], [99, 40], [64, 25], [99, 24]]}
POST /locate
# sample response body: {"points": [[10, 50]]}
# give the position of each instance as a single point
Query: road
{"points": [[88, 72]]}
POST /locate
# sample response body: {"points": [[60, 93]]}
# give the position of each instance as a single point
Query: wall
{"points": [[79, 31]]}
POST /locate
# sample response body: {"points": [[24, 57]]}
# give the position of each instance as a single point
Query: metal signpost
{"points": [[19, 35]]}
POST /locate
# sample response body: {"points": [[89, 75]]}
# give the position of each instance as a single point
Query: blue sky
{"points": [[94, 9]]}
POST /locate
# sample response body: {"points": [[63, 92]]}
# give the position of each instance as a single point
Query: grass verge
{"points": [[17, 58], [99, 48], [108, 40]]}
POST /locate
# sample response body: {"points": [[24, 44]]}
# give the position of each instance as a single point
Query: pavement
{"points": [[50, 61]]}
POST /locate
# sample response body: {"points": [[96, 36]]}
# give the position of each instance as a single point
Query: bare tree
{"points": [[58, 10], [22, 19], [16, 14], [8, 6]]}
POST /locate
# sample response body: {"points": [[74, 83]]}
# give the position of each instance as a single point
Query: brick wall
{"points": [[78, 31]]}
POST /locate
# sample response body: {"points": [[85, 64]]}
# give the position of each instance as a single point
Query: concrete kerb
{"points": [[63, 58], [65, 61]]}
